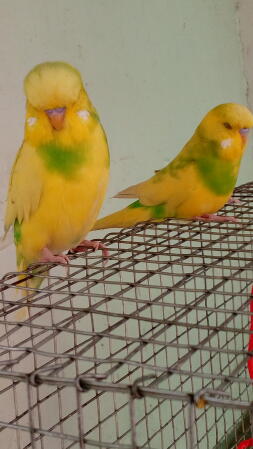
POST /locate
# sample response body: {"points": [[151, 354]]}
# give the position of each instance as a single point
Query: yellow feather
{"points": [[52, 85]]}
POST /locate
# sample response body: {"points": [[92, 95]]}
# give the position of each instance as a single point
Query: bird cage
{"points": [[148, 351]]}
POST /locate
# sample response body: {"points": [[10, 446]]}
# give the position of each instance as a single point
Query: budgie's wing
{"points": [[25, 186], [167, 183], [153, 191]]}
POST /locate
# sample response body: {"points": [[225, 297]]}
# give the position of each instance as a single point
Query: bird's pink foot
{"points": [[89, 244], [48, 256], [216, 218], [233, 200]]}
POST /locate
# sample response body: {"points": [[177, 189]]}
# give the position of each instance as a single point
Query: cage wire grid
{"points": [[148, 351]]}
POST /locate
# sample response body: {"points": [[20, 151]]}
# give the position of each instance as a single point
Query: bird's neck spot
{"points": [[31, 121], [226, 143], [84, 114]]}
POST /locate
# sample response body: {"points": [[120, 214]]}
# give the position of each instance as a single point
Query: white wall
{"points": [[245, 22], [152, 69]]}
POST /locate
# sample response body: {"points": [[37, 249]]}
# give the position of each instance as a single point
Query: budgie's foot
{"points": [[48, 256], [216, 218], [233, 200], [88, 244]]}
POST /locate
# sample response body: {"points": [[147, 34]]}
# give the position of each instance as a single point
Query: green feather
{"points": [[135, 205], [17, 232], [158, 211], [217, 174], [62, 159]]}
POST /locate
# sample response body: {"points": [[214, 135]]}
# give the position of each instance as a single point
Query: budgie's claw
{"points": [[88, 244], [216, 218], [233, 200], [48, 256]]}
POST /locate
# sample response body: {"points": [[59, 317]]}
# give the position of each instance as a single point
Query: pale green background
{"points": [[152, 68]]}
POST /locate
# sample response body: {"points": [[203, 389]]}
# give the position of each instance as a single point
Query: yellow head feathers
{"points": [[52, 85], [224, 121]]}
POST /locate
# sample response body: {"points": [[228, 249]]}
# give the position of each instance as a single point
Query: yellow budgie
{"points": [[60, 174], [199, 181]]}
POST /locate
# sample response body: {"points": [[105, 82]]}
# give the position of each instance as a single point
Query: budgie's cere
{"points": [[60, 175], [199, 181]]}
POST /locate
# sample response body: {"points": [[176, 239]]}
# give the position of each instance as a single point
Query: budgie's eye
{"points": [[227, 125], [31, 121], [83, 114]]}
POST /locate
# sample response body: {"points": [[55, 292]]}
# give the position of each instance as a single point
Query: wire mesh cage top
{"points": [[148, 351]]}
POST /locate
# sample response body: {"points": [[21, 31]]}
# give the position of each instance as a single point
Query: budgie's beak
{"points": [[56, 117], [244, 133]]}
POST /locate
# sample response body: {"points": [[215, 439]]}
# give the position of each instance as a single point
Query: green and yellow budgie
{"points": [[60, 174], [199, 181]]}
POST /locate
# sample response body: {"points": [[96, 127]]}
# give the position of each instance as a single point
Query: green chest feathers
{"points": [[218, 175], [63, 160]]}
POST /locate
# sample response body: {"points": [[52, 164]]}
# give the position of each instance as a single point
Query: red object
{"points": [[250, 347], [245, 444], [249, 443]]}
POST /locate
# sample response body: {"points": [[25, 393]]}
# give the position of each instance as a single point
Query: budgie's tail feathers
{"points": [[33, 282], [6, 240], [130, 192], [129, 216]]}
